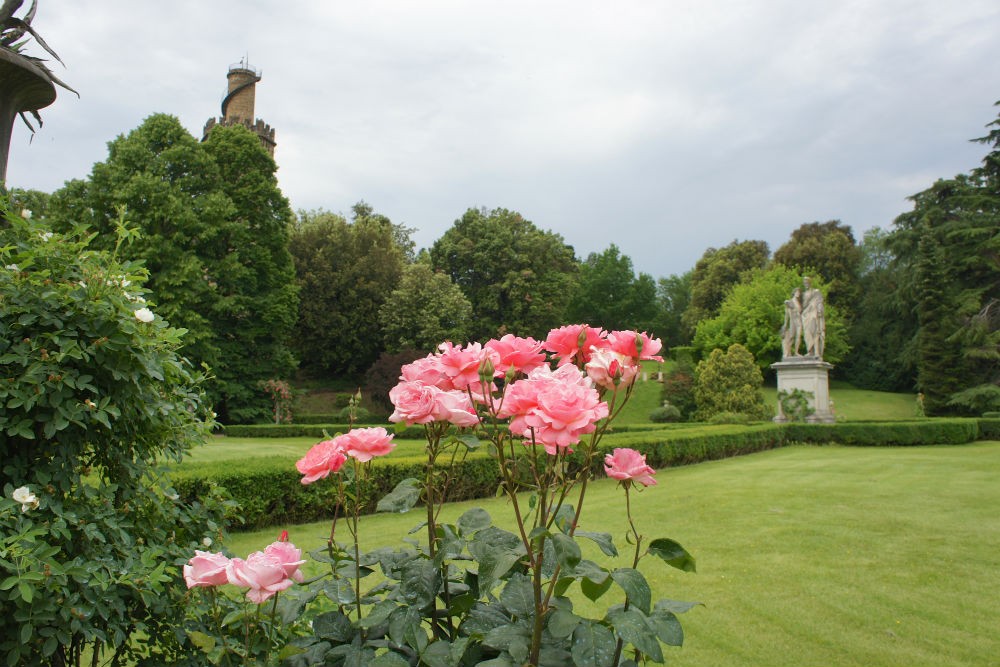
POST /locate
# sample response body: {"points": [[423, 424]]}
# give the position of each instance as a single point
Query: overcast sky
{"points": [[663, 127]]}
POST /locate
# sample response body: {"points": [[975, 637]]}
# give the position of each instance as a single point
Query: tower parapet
{"points": [[238, 105]]}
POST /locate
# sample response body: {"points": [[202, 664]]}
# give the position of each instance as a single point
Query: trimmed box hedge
{"points": [[269, 490]]}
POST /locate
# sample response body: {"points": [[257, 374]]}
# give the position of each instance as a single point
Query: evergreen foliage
{"points": [[729, 382], [424, 309]]}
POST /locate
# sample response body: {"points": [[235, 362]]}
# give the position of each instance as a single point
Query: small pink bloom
{"points": [[628, 343], [609, 369], [288, 555], [322, 459], [628, 465], [262, 573], [573, 343], [206, 569], [522, 354], [364, 444]]}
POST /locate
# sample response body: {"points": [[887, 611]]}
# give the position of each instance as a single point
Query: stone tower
{"points": [[238, 105]]}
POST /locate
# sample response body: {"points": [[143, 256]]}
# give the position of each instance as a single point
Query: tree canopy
{"points": [[826, 249], [610, 295], [518, 278], [423, 311], [716, 272]]}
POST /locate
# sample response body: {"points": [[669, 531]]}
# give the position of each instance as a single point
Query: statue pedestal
{"points": [[810, 375]]}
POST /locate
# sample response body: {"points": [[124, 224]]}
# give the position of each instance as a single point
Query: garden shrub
{"points": [[730, 381], [730, 418], [678, 390], [664, 414], [989, 427], [92, 395], [953, 431]]}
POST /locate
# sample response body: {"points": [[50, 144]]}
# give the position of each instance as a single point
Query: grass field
{"points": [[807, 555]]}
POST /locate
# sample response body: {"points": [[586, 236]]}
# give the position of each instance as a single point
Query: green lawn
{"points": [[807, 555]]}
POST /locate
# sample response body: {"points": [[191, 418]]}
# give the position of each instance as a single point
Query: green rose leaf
{"points": [[402, 498], [672, 554], [593, 645], [474, 520], [635, 586], [631, 626]]}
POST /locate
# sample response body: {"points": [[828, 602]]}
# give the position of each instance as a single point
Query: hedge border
{"points": [[269, 492]]}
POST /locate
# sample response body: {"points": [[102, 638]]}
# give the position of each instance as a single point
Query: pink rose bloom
{"points": [[289, 556], [607, 366], [415, 402], [522, 354], [322, 459], [462, 364], [454, 407], [628, 465], [573, 343], [565, 411], [364, 444], [206, 569], [428, 371], [262, 573], [629, 342]]}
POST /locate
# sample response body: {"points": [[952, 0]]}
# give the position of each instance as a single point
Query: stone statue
{"points": [[791, 328], [813, 319]]}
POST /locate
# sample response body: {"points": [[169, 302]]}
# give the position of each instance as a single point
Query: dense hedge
{"points": [[269, 492]]}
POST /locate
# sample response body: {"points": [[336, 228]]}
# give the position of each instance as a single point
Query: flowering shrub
{"points": [[93, 398], [472, 593], [280, 393]]}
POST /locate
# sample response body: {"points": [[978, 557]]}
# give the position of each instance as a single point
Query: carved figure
{"points": [[791, 328], [813, 319]]}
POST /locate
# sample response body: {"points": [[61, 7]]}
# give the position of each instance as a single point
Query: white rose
{"points": [[12, 267], [46, 235], [144, 315], [207, 542], [24, 496], [26, 214]]}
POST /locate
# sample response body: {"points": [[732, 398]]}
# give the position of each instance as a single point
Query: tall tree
{"points": [[214, 247], [518, 278], [673, 295], [829, 250], [424, 310], [345, 271], [716, 272], [610, 295]]}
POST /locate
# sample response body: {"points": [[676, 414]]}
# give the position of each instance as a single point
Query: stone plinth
{"points": [[811, 375]]}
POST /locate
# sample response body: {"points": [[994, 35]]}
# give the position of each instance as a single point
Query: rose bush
{"points": [[471, 593]]}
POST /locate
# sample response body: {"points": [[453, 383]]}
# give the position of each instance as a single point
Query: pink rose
{"points": [[206, 569], [415, 403], [609, 369], [573, 343], [462, 364], [322, 459], [565, 412], [262, 573], [635, 345], [454, 407], [364, 444], [427, 371], [628, 465], [522, 354], [289, 556]]}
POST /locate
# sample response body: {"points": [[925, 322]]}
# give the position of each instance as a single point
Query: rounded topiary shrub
{"points": [[730, 381], [665, 414], [93, 397]]}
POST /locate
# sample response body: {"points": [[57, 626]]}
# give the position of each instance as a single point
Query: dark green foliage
{"points": [[716, 273], [673, 296], [609, 294], [827, 250], [424, 310], [384, 375], [92, 399], [887, 434], [678, 389], [214, 239], [518, 278], [730, 381], [345, 271], [665, 414]]}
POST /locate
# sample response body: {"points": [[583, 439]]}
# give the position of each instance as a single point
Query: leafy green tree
{"points": [[718, 270], [95, 398], [213, 234], [424, 310], [962, 216], [34, 201], [729, 381], [609, 294], [345, 271], [883, 327], [826, 249], [751, 316], [673, 296], [518, 278]]}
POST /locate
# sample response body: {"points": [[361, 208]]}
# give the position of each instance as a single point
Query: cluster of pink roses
{"points": [[554, 408], [362, 444], [264, 573]]}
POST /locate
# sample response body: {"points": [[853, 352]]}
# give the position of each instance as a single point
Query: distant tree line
{"points": [[265, 293]]}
